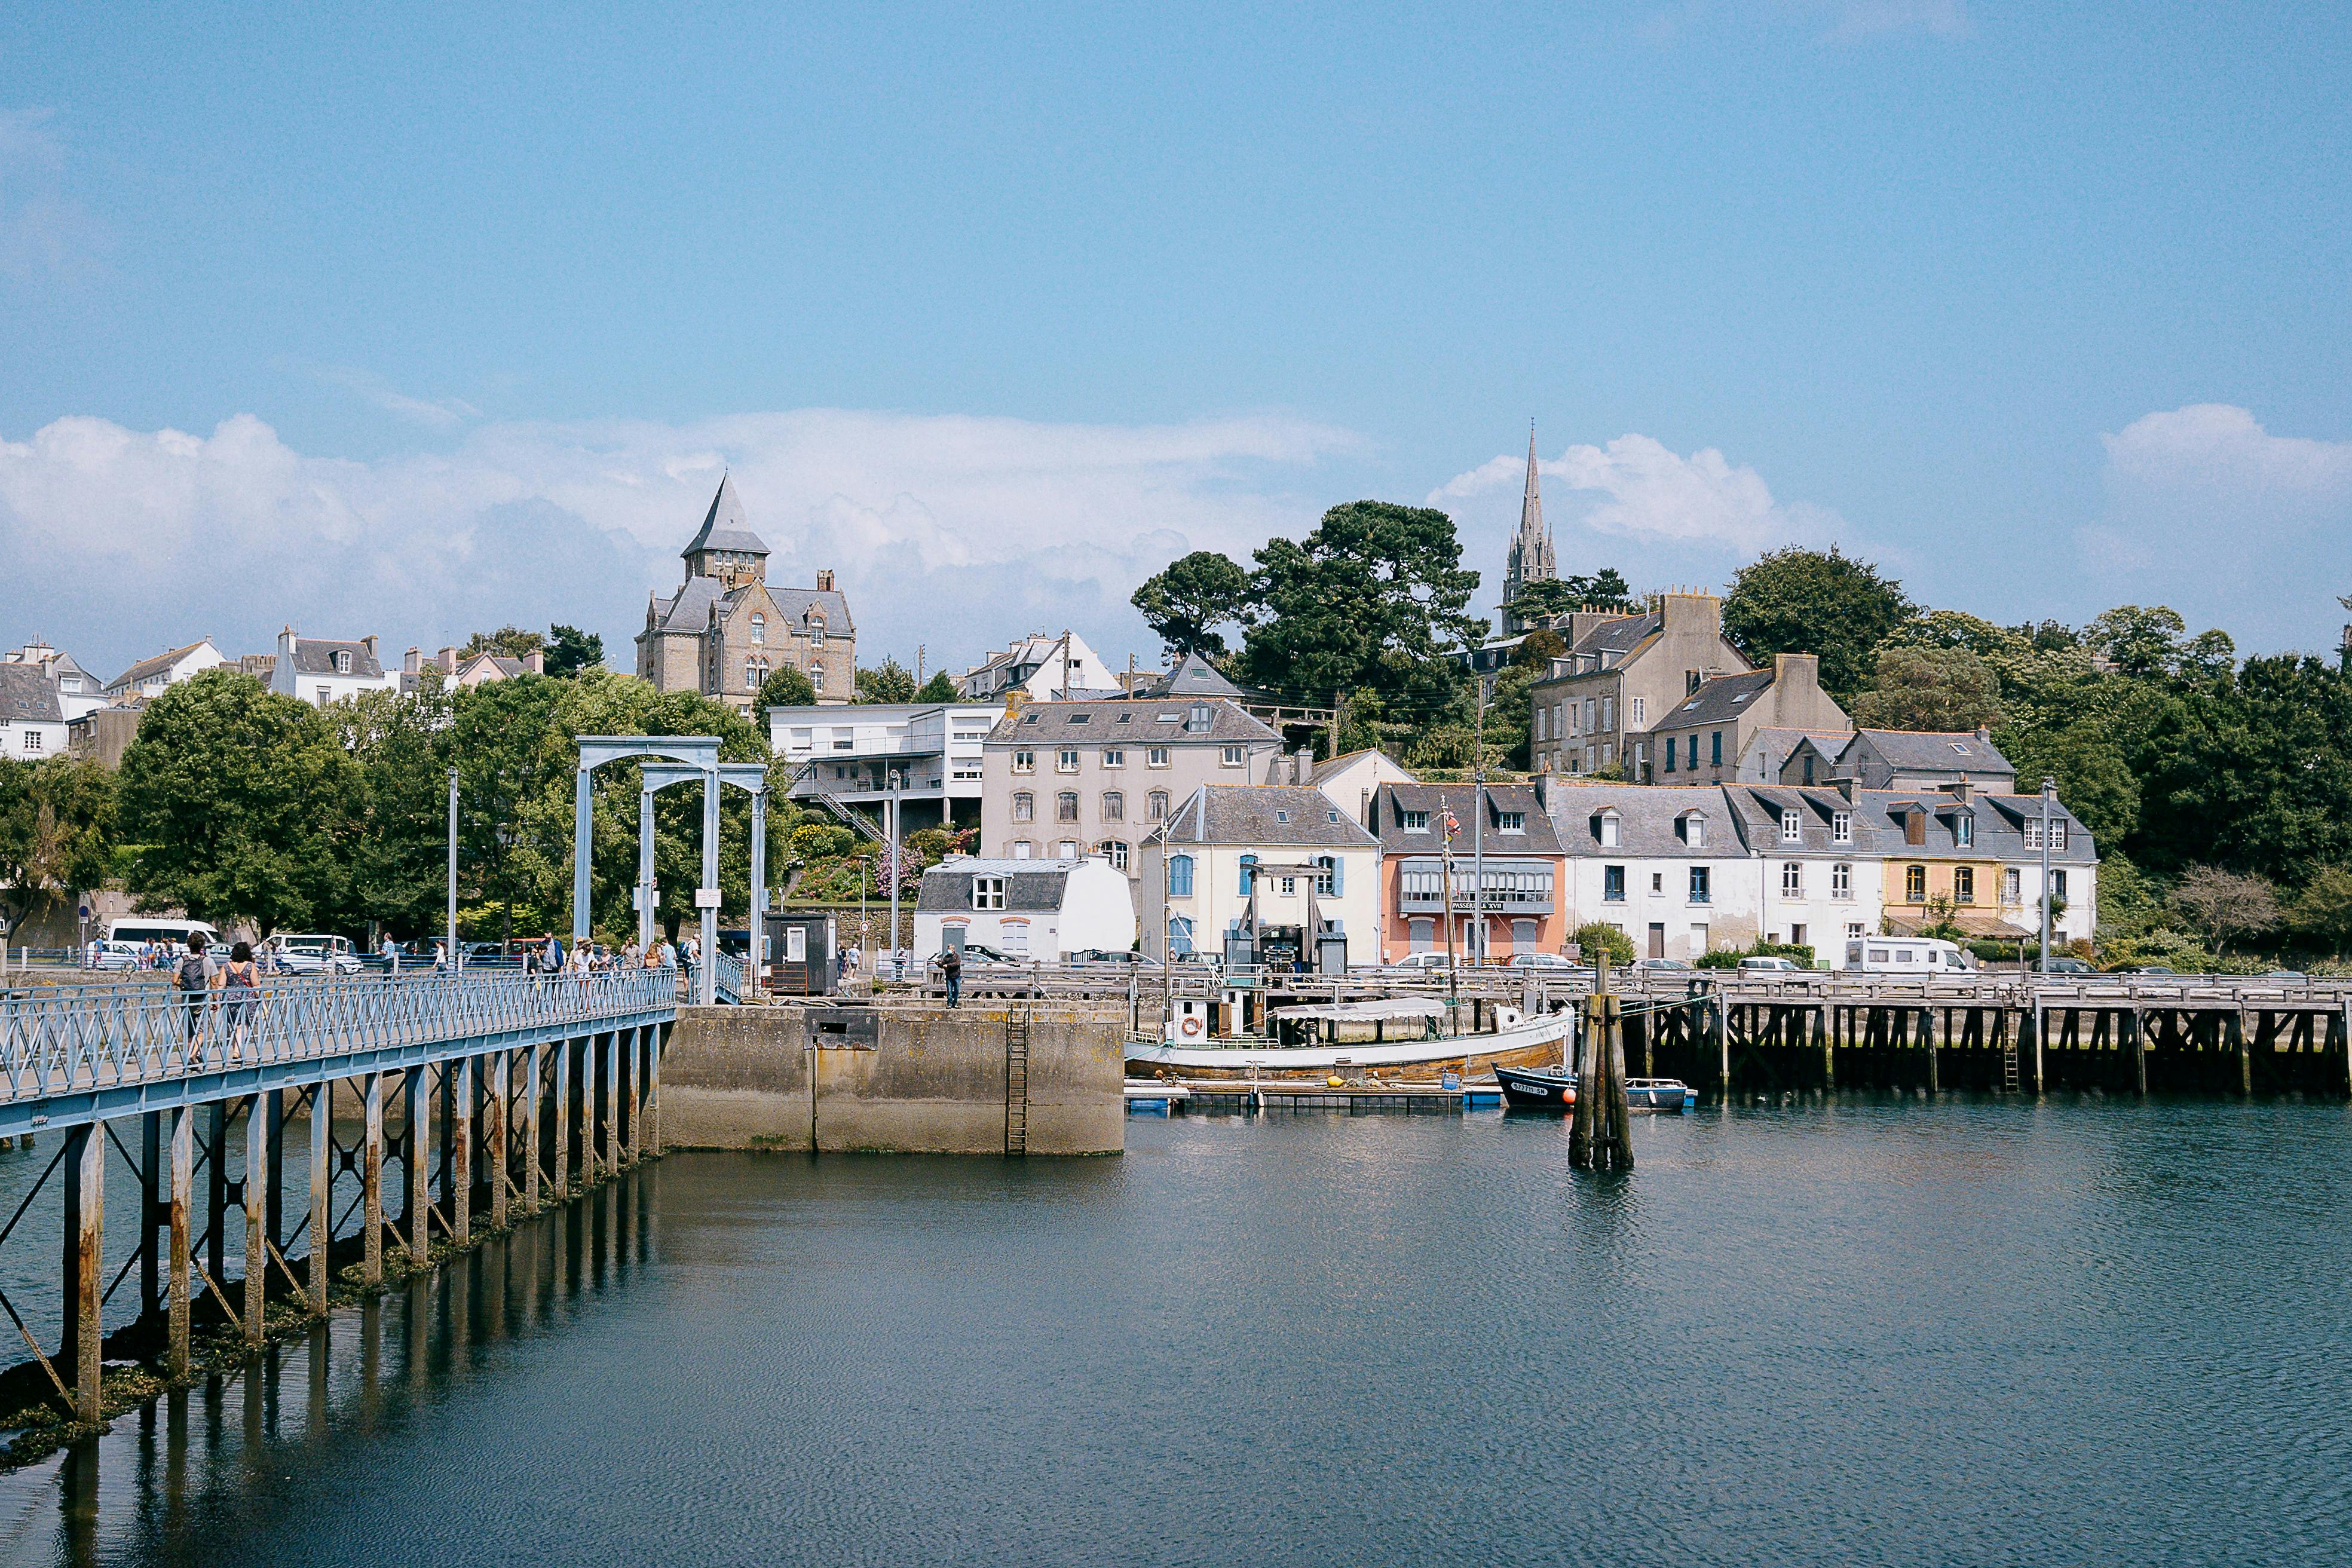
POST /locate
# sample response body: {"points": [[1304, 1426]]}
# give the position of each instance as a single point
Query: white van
{"points": [[139, 929], [1906, 955]]}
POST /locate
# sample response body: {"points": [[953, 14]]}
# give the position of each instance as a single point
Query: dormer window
{"points": [[1511, 821], [1792, 825], [1964, 830], [1605, 825], [1415, 821], [1840, 828], [1200, 719], [1691, 829]]}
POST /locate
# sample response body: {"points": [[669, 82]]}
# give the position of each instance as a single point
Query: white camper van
{"points": [[1906, 955]]}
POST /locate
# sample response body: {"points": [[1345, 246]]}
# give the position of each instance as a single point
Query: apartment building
{"points": [[1501, 832], [1621, 675]]}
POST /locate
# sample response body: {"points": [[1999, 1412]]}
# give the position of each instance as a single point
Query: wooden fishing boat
{"points": [[1515, 1041], [1550, 1089]]}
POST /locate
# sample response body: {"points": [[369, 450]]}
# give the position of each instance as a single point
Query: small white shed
{"points": [[1024, 909]]}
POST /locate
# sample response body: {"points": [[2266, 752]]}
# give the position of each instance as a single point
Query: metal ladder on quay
{"points": [[1017, 1079], [2009, 1073]]}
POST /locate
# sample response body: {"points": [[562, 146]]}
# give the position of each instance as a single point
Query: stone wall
{"points": [[933, 1081]]}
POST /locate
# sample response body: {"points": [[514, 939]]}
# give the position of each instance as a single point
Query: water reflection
{"points": [[166, 1480]]}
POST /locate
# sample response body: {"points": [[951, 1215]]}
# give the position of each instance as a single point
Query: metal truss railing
{"points": [[93, 1037]]}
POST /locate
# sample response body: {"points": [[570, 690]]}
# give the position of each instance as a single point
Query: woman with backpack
{"points": [[240, 996]]}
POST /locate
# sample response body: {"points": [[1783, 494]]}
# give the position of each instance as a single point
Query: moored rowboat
{"points": [[1548, 1089]]}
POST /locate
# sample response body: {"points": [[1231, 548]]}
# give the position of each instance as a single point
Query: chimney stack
{"points": [[536, 661], [1302, 766], [449, 662], [413, 661], [824, 580], [368, 642]]}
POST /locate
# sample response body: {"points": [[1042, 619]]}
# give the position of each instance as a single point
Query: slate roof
{"points": [[157, 665], [795, 603], [1034, 886], [1999, 832], [724, 527], [1620, 636], [1757, 809], [1717, 701], [1193, 676], [28, 696], [1958, 751], [1298, 815], [316, 656], [1646, 815], [1393, 801], [688, 609], [1132, 720]]}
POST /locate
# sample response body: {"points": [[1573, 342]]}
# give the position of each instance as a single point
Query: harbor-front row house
{"points": [[847, 751], [1063, 779], [1503, 830], [1974, 862], [1906, 759], [1663, 864], [320, 671], [1044, 910], [1274, 874], [149, 677], [32, 723], [1818, 854]]}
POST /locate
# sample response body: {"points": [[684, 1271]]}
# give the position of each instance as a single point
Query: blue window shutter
{"points": [[1180, 877], [1339, 875], [1249, 873]]}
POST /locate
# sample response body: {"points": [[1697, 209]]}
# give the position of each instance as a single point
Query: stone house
{"points": [[321, 670], [1621, 675], [1909, 759], [1703, 738], [727, 628], [1063, 779]]}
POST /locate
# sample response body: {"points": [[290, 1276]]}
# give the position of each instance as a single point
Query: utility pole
{"points": [[897, 778], [1479, 827], [1446, 828], [1066, 664], [1167, 929], [2049, 796], [918, 666], [452, 870], [1338, 708]]}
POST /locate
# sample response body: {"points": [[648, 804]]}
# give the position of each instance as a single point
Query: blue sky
{"points": [[411, 324]]}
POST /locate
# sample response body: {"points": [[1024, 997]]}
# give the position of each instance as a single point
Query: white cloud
{"points": [[442, 413], [1635, 488], [2231, 525], [950, 530]]}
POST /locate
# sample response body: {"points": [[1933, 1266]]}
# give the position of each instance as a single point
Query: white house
{"points": [[1352, 778], [1664, 863], [1820, 855], [149, 677], [1278, 865], [320, 671], [1044, 909], [849, 751], [1050, 669], [32, 725], [78, 692]]}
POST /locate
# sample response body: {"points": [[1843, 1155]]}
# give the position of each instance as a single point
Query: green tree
{"points": [[1929, 688], [2322, 912], [508, 763], [570, 650], [238, 800], [397, 869], [507, 642], [1187, 602], [885, 683], [1808, 601], [785, 688], [1551, 600], [940, 688], [56, 827], [1375, 598]]}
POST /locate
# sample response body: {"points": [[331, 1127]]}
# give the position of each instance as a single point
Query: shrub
{"points": [[822, 841], [1599, 937]]}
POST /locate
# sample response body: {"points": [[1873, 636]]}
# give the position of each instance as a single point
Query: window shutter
{"points": [[1339, 875], [1249, 873]]}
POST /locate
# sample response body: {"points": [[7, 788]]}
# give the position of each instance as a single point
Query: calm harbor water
{"points": [[1873, 1330]]}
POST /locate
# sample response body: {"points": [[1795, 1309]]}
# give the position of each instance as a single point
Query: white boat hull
{"points": [[1535, 1037]]}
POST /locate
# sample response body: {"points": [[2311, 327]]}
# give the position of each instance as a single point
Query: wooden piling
{"points": [[257, 1216], [611, 1153], [322, 1189], [151, 1179], [494, 1133], [562, 1117], [372, 1182], [2136, 1022], [419, 1136], [459, 1134], [655, 1036], [83, 1247], [2245, 1052], [531, 1127], [183, 1176]]}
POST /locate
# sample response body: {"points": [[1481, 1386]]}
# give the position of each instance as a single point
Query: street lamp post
{"points": [[2049, 797], [897, 777], [452, 870]]}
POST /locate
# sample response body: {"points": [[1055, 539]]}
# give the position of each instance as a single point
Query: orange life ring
{"points": [[1191, 1026]]}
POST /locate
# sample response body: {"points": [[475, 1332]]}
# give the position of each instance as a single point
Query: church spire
{"points": [[1531, 559]]}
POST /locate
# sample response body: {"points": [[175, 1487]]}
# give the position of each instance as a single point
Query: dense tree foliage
{"points": [[785, 688], [570, 650], [940, 688], [1186, 604], [1929, 688], [1806, 601], [507, 642], [56, 828], [888, 681]]}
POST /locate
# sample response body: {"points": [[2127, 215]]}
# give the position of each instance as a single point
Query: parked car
{"points": [[317, 954], [2145, 969], [1107, 955], [117, 954], [2071, 966], [1547, 960], [1421, 963], [1660, 963], [1763, 965]]}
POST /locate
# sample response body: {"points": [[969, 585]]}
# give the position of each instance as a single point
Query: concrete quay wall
{"points": [[928, 1080]]}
